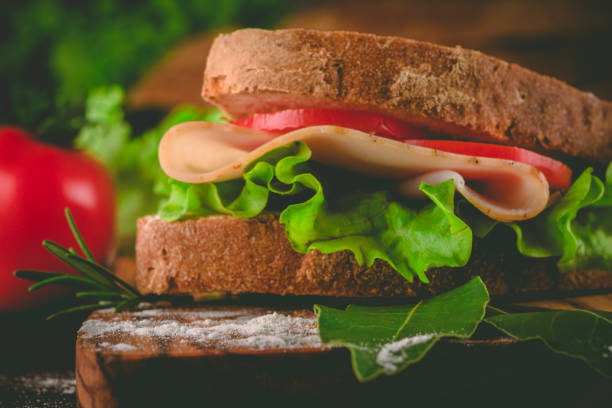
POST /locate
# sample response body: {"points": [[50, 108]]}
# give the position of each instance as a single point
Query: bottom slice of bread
{"points": [[229, 254]]}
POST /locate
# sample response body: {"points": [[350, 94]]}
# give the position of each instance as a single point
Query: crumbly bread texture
{"points": [[229, 254], [454, 91]]}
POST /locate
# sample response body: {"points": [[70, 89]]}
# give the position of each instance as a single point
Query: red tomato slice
{"points": [[293, 119], [559, 176]]}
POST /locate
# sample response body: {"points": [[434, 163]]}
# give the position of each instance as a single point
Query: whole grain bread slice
{"points": [[229, 254], [454, 91]]}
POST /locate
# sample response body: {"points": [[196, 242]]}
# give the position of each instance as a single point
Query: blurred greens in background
{"points": [[131, 158], [55, 51]]}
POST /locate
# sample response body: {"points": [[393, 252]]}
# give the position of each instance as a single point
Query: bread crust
{"points": [[229, 254], [454, 91]]}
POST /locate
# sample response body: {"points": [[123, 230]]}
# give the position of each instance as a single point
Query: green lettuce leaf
{"points": [[578, 228], [244, 198], [575, 333], [388, 339], [373, 227], [334, 211]]}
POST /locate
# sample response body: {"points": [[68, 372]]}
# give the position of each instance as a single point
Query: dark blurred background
{"points": [[55, 51]]}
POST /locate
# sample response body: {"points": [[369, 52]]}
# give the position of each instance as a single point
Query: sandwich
{"points": [[408, 179], [363, 166]]}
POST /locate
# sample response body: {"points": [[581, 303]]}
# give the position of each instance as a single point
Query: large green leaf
{"points": [[388, 339], [575, 333]]}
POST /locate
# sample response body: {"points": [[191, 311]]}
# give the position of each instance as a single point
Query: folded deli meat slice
{"points": [[201, 152]]}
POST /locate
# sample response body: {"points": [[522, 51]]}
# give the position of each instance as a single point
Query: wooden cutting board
{"points": [[121, 358], [245, 354]]}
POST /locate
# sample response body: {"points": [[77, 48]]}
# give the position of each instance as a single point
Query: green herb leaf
{"points": [[76, 262], [103, 285], [100, 295], [388, 339], [100, 305], [47, 278], [127, 304], [110, 279], [34, 276], [77, 235], [575, 333], [64, 280]]}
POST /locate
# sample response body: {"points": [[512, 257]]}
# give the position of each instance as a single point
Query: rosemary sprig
{"points": [[96, 282]]}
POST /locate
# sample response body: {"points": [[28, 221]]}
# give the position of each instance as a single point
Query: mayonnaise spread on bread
{"points": [[202, 152]]}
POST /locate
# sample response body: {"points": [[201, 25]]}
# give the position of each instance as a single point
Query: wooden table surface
{"points": [[37, 360]]}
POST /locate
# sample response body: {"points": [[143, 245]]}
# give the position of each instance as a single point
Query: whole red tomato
{"points": [[37, 182]]}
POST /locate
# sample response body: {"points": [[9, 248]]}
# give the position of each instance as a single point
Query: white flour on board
{"points": [[267, 331], [392, 354]]}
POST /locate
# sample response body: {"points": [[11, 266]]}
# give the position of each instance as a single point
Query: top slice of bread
{"points": [[454, 91]]}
